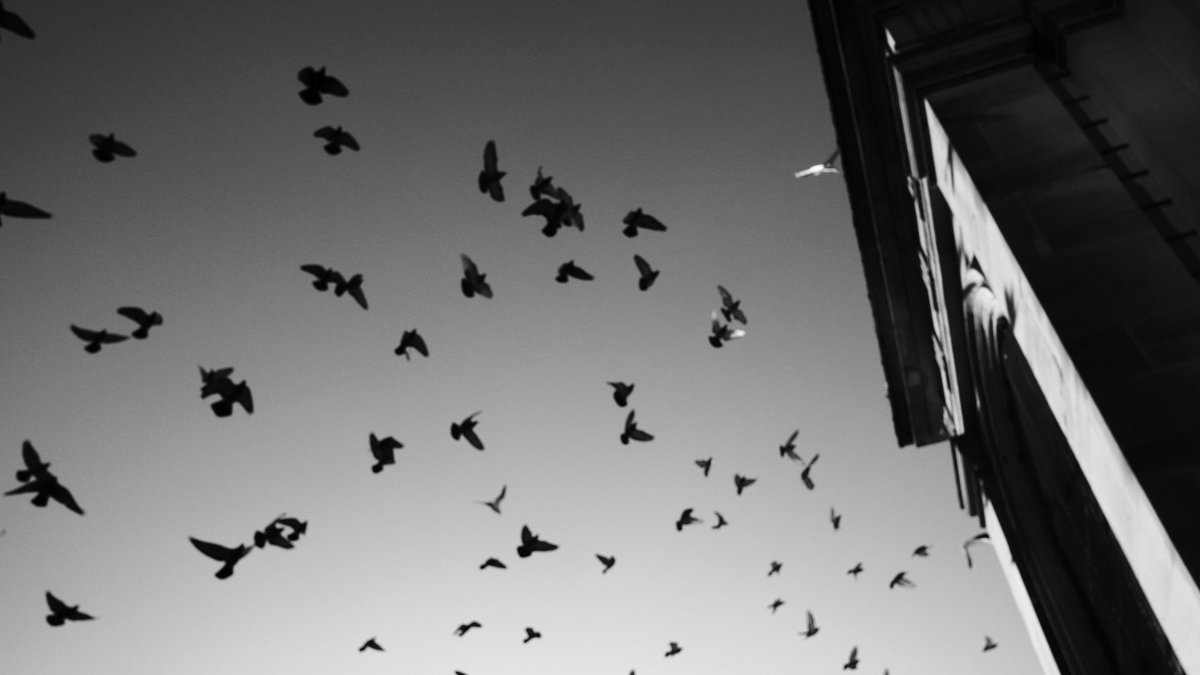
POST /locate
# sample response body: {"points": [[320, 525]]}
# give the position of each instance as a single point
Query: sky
{"points": [[697, 112]]}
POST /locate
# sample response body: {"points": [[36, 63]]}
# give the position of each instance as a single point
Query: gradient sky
{"points": [[698, 112]]}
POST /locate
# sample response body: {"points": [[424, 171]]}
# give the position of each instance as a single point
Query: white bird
{"points": [[818, 169]]}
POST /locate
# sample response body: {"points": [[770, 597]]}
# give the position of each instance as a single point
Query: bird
{"points": [[324, 275], [776, 568], [18, 209], [213, 381], [921, 551], [542, 185], [811, 628], [721, 522], [686, 518], [788, 449], [822, 168], [855, 571], [37, 478], [272, 534], [731, 309], [473, 282], [466, 429], [555, 214], [636, 219], [13, 23], [989, 644], [569, 270], [61, 611], [370, 644], [722, 333], [835, 518], [144, 320], [646, 274], [335, 139], [463, 628], [852, 662], [531, 543], [966, 547], [495, 503], [705, 464], [297, 526], [353, 286], [228, 556], [741, 482], [489, 178], [96, 338], [632, 431], [621, 392], [901, 579], [107, 148], [530, 634], [384, 451], [233, 393], [316, 82], [571, 210], [775, 605], [607, 560], [805, 474], [493, 562], [413, 339], [675, 649], [34, 466]]}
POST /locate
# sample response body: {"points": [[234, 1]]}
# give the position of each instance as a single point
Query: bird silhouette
{"points": [[621, 392], [384, 451], [822, 168], [493, 562], [555, 214], [902, 580], [569, 270], [353, 286], [473, 282], [571, 210], [463, 628], [542, 185], [530, 634], [412, 339], [788, 449], [646, 274], [806, 474], [34, 466], [855, 571], [811, 629], [531, 543], [61, 612], [721, 522], [324, 275], [731, 309], [966, 547], [705, 464], [9, 21], [18, 209], [213, 381], [335, 139], [96, 338], [495, 503], [145, 320], [632, 431], [675, 649], [921, 551], [607, 560], [741, 482], [107, 148], [635, 220], [37, 478], [852, 662], [272, 534], [776, 568], [227, 556], [775, 605], [231, 393], [988, 643], [466, 429], [835, 518], [489, 178], [722, 333], [317, 83], [369, 644], [298, 527], [686, 518]]}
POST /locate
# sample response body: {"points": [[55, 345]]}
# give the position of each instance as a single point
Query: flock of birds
{"points": [[559, 210]]}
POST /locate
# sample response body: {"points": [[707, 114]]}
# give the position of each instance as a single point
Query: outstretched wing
{"points": [[214, 551], [18, 209], [135, 314], [63, 496]]}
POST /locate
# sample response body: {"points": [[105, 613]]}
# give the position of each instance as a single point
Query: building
{"points": [[1024, 177]]}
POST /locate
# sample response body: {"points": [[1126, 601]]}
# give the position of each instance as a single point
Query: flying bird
{"points": [[384, 451], [855, 571], [228, 556], [145, 320], [901, 579], [18, 209], [107, 148], [37, 478], [722, 333], [335, 139], [555, 214], [493, 562], [412, 339], [646, 274], [495, 503], [531, 543], [806, 476], [61, 611], [353, 286], [569, 270], [297, 526], [741, 482], [473, 282], [324, 275], [776, 567], [632, 431], [369, 644], [822, 168], [835, 518], [852, 662], [572, 214], [988, 643], [463, 628], [213, 381], [231, 393], [788, 449], [542, 185], [621, 392], [921, 551], [489, 178], [811, 629], [272, 534], [731, 309], [966, 547], [675, 649], [721, 522], [705, 464], [775, 605], [607, 560], [530, 634], [466, 429], [9, 21], [635, 220], [96, 338], [686, 518], [317, 83]]}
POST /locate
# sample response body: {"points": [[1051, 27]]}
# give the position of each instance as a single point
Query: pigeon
{"points": [[921, 551], [776, 567], [721, 522], [353, 286], [788, 449], [607, 560], [742, 482], [36, 478], [297, 526], [989, 644], [384, 451], [214, 381], [228, 556], [855, 571], [233, 393], [632, 431], [852, 662], [675, 649], [473, 282], [489, 178], [324, 275], [966, 547], [107, 148], [646, 274], [96, 338], [413, 339], [530, 634], [495, 503], [493, 562], [569, 270], [901, 579], [811, 629], [731, 309], [9, 21], [466, 429], [369, 644], [17, 209], [636, 219], [273, 535], [686, 518], [822, 168], [835, 518], [705, 464], [531, 543], [542, 185], [316, 83], [621, 392], [144, 320], [775, 605], [336, 139], [805, 474], [61, 611], [463, 628], [570, 210], [555, 214], [722, 333]]}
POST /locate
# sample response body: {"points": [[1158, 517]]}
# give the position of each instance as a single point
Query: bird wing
{"points": [[56, 606], [579, 273], [332, 86], [19, 209], [490, 161], [469, 267], [84, 333], [136, 314], [14, 23], [347, 140], [63, 496], [832, 158], [356, 292], [726, 297], [122, 149], [643, 267], [649, 222], [542, 207], [318, 271], [326, 132], [32, 460], [472, 438], [111, 338], [214, 551]]}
